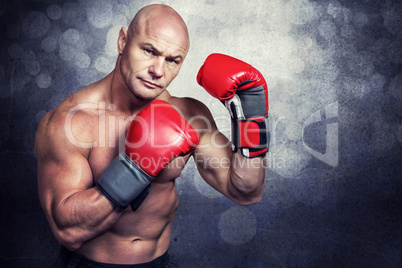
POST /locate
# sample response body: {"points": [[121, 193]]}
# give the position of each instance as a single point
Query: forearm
{"points": [[247, 175], [83, 216]]}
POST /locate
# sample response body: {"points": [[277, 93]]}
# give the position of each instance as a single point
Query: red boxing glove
{"points": [[244, 92], [156, 136]]}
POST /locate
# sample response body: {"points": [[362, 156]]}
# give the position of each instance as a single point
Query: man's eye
{"points": [[148, 51], [171, 60]]}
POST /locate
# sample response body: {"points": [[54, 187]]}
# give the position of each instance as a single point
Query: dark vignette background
{"points": [[346, 216]]}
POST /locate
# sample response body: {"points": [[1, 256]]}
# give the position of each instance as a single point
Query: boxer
{"points": [[109, 154]]}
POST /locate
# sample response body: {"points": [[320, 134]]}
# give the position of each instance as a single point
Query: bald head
{"points": [[160, 17], [152, 50]]}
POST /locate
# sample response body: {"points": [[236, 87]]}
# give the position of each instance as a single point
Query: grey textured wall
{"points": [[333, 183]]}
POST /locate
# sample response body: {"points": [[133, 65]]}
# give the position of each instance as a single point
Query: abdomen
{"points": [[138, 236]]}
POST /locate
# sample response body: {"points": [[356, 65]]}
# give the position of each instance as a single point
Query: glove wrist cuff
{"points": [[123, 181], [251, 136], [249, 128]]}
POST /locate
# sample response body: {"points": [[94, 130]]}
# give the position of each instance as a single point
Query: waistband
{"points": [[78, 261]]}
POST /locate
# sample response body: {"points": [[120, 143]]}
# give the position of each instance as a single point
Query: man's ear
{"points": [[122, 40]]}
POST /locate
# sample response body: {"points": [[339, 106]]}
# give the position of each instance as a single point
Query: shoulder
{"points": [[70, 126], [189, 107], [58, 120], [58, 133], [195, 112], [77, 112]]}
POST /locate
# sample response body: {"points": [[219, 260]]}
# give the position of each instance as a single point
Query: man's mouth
{"points": [[150, 84]]}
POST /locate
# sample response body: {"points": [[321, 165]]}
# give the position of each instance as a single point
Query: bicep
{"points": [[60, 178], [62, 168], [213, 159], [213, 156]]}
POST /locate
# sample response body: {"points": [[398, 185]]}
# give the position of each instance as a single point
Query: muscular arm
{"points": [[244, 92], [75, 209], [239, 178]]}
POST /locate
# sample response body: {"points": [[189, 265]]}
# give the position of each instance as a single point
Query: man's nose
{"points": [[157, 67]]}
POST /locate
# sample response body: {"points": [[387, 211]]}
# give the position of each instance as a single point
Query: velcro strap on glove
{"points": [[251, 136]]}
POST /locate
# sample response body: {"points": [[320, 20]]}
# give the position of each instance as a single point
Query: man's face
{"points": [[152, 58]]}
